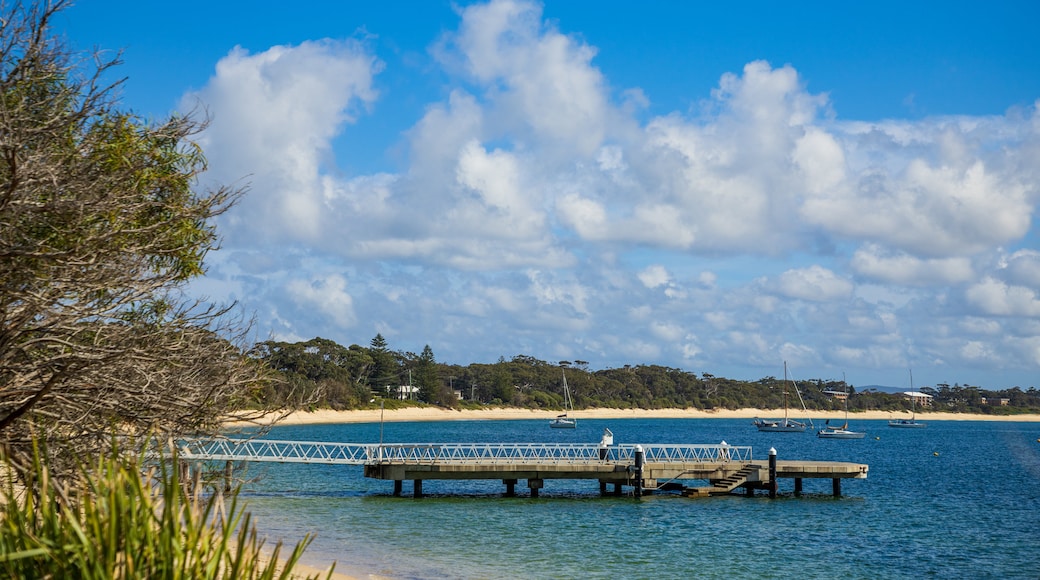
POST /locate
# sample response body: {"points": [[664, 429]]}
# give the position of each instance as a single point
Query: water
{"points": [[954, 500]]}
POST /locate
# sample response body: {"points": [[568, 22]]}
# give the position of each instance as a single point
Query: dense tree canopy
{"points": [[101, 225], [525, 381]]}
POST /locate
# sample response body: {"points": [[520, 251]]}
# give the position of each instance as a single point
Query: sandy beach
{"points": [[327, 416]]}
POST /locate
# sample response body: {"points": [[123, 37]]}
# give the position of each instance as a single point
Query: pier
{"points": [[693, 470]]}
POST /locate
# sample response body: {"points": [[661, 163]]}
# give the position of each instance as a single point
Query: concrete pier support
{"points": [[602, 487], [797, 486], [417, 488], [836, 487], [510, 487], [535, 485], [398, 485]]}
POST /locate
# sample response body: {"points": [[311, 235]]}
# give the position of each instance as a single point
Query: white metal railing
{"points": [[431, 453], [279, 451]]}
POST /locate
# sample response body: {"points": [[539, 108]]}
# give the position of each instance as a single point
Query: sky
{"points": [[720, 188]]}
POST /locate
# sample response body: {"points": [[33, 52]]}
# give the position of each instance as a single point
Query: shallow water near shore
{"points": [[957, 499]]}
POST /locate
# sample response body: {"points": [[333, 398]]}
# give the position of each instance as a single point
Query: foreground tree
{"points": [[100, 228]]}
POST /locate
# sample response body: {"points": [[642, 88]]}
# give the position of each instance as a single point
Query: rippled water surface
{"points": [[954, 500]]}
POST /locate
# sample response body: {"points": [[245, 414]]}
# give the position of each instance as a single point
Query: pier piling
{"points": [[639, 460], [772, 472], [535, 485]]}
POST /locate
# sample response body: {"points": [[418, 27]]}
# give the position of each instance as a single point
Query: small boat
{"points": [[562, 421], [912, 422], [785, 425], [829, 432], [843, 432]]}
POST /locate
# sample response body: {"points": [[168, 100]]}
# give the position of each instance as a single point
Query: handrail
{"points": [[432, 453]]}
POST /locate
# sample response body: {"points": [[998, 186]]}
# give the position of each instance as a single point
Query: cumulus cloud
{"points": [[328, 296], [997, 298], [872, 262], [813, 283], [654, 276], [538, 80], [533, 194], [1023, 268], [274, 115]]}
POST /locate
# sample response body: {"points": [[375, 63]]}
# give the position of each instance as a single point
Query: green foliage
{"points": [[122, 523], [102, 223], [525, 381], [316, 368], [425, 376]]}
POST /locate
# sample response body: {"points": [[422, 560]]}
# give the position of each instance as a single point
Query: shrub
{"points": [[124, 521]]}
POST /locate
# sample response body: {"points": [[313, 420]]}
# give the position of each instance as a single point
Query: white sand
{"points": [[502, 414]]}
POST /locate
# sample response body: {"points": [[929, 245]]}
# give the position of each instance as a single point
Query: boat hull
{"points": [[840, 434], [779, 426], [563, 424], [907, 424]]}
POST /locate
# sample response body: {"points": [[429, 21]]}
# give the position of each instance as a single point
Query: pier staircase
{"points": [[723, 486]]}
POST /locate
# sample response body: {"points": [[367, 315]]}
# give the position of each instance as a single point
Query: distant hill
{"points": [[881, 389]]}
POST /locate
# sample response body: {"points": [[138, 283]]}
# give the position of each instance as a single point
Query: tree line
{"points": [[333, 376]]}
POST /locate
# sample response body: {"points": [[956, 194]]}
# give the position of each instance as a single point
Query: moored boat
{"points": [[785, 425], [843, 432], [912, 422], [562, 421]]}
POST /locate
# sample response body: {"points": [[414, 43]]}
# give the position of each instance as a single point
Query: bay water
{"points": [[958, 499]]}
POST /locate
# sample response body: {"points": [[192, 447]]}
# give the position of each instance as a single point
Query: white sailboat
{"points": [[785, 425], [843, 432], [562, 421], [912, 422]]}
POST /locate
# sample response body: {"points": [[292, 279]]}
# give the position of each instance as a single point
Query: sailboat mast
{"points": [[785, 392], [913, 397], [566, 390], [845, 385]]}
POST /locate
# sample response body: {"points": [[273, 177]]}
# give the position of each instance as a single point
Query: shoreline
{"points": [[419, 414]]}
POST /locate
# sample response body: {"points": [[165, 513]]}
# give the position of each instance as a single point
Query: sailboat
{"points": [[785, 425], [912, 422], [562, 421], [843, 432]]}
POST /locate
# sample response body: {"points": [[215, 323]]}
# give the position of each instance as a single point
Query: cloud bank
{"points": [[539, 212]]}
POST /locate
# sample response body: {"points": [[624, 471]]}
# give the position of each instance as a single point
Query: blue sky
{"points": [[850, 189]]}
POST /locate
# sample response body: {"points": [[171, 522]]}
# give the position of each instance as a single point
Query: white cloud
{"points": [[274, 115], [813, 283], [997, 298], [533, 194], [904, 269], [667, 331], [1023, 268], [537, 77], [327, 296], [654, 276]]}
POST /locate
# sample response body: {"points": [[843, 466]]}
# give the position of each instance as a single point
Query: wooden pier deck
{"points": [[720, 469]]}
